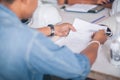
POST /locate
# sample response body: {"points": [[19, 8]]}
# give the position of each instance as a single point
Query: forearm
{"points": [[91, 52], [57, 30], [82, 1], [45, 30], [77, 1]]}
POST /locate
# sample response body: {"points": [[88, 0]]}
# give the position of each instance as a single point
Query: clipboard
{"points": [[96, 9], [84, 8]]}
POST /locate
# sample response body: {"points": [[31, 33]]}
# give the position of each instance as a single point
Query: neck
{"points": [[14, 8]]}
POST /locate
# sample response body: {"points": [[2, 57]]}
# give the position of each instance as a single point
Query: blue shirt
{"points": [[26, 54]]}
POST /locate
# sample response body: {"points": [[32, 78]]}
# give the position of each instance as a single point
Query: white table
{"points": [[102, 64]]}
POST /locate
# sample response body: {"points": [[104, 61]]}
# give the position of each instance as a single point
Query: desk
{"points": [[102, 64]]}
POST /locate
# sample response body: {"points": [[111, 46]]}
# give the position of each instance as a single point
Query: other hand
{"points": [[100, 36], [102, 1], [63, 29]]}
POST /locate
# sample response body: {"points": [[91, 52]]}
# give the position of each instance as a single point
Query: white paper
{"points": [[80, 7], [77, 41]]}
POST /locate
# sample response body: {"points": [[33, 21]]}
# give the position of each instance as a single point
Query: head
{"points": [[22, 8]]}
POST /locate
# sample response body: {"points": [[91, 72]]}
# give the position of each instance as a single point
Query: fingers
{"points": [[63, 34], [68, 28], [63, 29], [71, 27], [100, 36], [102, 1]]}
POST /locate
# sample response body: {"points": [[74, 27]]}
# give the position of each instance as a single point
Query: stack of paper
{"points": [[78, 40], [84, 8]]}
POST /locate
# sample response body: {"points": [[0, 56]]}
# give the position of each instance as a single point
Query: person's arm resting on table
{"points": [[105, 3]]}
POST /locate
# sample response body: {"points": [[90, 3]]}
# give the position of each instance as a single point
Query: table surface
{"points": [[102, 63]]}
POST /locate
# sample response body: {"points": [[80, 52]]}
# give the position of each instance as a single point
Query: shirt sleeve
{"points": [[45, 57]]}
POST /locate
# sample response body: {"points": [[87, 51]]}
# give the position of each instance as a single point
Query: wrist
{"points": [[52, 29], [94, 41]]}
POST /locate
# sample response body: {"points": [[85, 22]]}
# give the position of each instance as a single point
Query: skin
{"points": [[84, 1], [104, 3], [20, 8], [60, 30]]}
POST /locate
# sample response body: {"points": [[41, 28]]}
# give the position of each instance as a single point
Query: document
{"points": [[77, 41], [87, 8]]}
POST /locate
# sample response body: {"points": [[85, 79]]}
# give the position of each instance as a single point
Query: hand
{"points": [[100, 36], [102, 1], [63, 29]]}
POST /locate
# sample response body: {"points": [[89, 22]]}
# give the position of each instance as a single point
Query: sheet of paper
{"points": [[80, 7], [78, 40]]}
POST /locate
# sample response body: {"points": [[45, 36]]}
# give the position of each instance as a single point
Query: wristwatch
{"points": [[52, 29]]}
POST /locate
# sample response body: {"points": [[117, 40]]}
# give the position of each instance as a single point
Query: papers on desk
{"points": [[84, 8], [78, 40]]}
